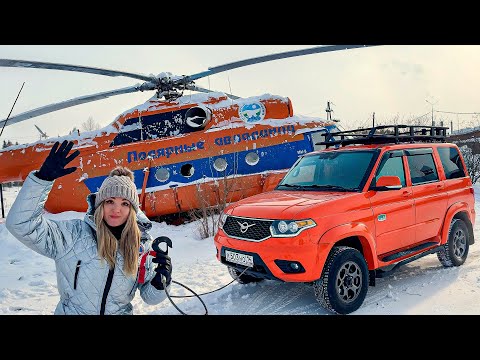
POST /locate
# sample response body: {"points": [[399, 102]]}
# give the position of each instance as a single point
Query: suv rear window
{"points": [[451, 162], [422, 168]]}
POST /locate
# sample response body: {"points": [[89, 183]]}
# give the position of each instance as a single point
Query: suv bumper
{"points": [[273, 256]]}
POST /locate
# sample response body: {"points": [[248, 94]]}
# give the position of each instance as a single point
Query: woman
{"points": [[101, 260]]}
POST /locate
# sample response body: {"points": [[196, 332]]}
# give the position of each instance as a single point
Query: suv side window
{"points": [[451, 162], [318, 137], [391, 166], [422, 168]]}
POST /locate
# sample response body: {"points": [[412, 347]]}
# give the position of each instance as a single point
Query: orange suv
{"points": [[370, 201]]}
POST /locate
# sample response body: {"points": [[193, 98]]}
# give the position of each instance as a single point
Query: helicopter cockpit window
{"points": [[187, 170], [252, 158], [162, 125], [220, 164], [162, 174]]}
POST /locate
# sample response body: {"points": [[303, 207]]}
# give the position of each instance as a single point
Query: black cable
{"points": [[186, 287], [168, 241], [194, 293]]}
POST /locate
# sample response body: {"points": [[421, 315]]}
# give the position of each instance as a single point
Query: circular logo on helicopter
{"points": [[252, 112]]}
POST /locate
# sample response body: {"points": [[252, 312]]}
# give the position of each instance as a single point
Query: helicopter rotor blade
{"points": [[161, 84], [76, 101], [67, 67], [277, 56], [200, 89]]}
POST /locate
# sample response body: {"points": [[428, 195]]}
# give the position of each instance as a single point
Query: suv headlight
{"points": [[287, 228], [221, 220]]}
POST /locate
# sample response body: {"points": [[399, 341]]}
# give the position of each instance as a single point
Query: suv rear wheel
{"points": [[243, 278], [455, 251], [344, 282]]}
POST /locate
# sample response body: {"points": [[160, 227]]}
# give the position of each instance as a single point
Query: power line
{"points": [[458, 113], [421, 116]]}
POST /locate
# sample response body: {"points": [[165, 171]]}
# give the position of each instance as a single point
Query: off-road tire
{"points": [[455, 250], [344, 282], [243, 278]]}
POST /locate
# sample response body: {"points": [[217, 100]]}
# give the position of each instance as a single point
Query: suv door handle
{"points": [[407, 194], [440, 186]]}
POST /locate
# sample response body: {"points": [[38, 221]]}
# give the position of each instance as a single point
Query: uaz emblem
{"points": [[244, 226]]}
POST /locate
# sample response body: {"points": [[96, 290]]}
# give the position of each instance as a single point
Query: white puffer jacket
{"points": [[82, 277]]}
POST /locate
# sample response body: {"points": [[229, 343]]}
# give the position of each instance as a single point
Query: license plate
{"points": [[241, 259]]}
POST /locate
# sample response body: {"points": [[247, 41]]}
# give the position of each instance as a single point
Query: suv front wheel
{"points": [[455, 250], [344, 282]]}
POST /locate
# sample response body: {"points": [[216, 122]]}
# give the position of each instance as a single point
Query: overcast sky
{"points": [[392, 81]]}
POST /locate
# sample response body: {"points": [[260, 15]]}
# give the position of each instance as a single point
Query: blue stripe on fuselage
{"points": [[276, 157]]}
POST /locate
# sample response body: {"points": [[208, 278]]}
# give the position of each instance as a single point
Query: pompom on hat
{"points": [[119, 183]]}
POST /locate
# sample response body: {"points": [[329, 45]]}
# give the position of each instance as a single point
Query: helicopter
{"points": [[186, 151]]}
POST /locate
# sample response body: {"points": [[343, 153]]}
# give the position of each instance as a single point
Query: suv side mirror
{"points": [[385, 183]]}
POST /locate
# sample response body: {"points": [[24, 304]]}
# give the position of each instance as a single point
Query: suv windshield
{"points": [[327, 171]]}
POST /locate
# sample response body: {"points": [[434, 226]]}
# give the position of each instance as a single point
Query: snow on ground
{"points": [[28, 281]]}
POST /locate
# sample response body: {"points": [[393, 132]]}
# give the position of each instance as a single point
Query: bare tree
{"points": [[207, 215], [90, 125], [7, 144], [212, 198], [472, 161], [210, 210]]}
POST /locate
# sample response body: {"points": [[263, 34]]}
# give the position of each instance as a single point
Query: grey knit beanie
{"points": [[119, 183]]}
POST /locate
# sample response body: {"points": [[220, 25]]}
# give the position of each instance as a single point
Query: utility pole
{"points": [[373, 118], [433, 121], [329, 111]]}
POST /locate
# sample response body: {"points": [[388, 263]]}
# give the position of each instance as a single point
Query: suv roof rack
{"points": [[386, 134]]}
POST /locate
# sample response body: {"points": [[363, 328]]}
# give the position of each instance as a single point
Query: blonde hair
{"points": [[129, 242]]}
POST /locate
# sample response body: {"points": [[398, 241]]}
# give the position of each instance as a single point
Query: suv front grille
{"points": [[247, 228]]}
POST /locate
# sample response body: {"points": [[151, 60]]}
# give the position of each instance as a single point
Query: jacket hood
{"points": [[143, 222]]}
